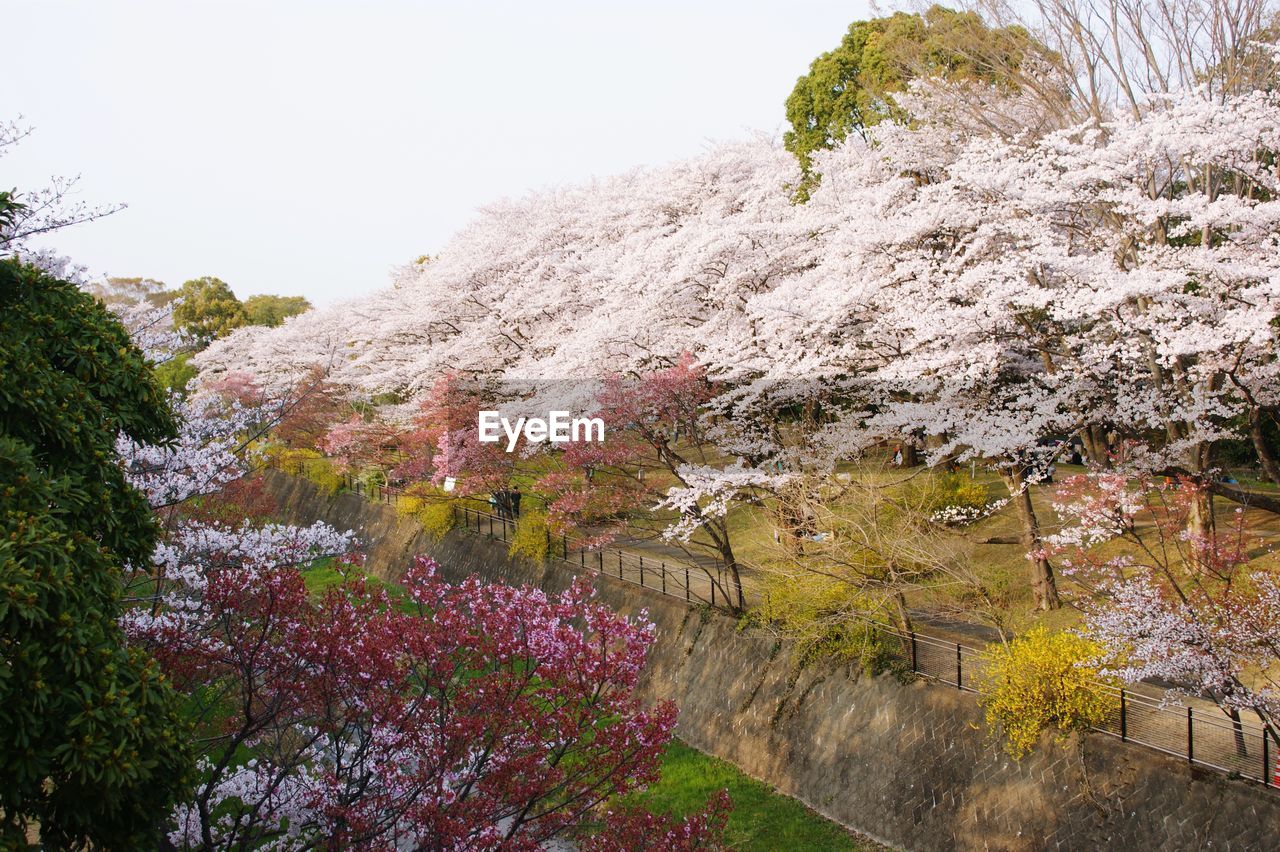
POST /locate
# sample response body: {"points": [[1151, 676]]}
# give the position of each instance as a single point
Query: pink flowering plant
{"points": [[1194, 607], [466, 716]]}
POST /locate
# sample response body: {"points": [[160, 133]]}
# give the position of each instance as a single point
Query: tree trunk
{"points": [[1043, 584], [734, 592], [1200, 525], [1237, 728], [910, 458], [1270, 467], [1095, 445]]}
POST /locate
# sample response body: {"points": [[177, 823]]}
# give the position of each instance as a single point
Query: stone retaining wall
{"points": [[910, 764]]}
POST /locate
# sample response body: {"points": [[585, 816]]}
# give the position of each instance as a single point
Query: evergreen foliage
{"points": [[92, 750]]}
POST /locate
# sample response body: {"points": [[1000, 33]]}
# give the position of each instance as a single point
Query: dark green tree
{"points": [[93, 746], [851, 88], [208, 309], [267, 309]]}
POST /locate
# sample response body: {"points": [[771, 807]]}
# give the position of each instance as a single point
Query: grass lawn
{"points": [[321, 575], [992, 545], [762, 819]]}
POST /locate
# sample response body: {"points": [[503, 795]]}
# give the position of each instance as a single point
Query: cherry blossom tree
{"points": [[38, 212], [1004, 275], [621, 275], [1192, 610], [1004, 295], [443, 440], [362, 441]]}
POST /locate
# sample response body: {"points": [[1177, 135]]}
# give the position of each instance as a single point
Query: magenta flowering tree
{"points": [[460, 716], [443, 441]]}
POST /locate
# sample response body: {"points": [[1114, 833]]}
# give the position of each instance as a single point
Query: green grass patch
{"points": [[321, 576], [762, 819]]}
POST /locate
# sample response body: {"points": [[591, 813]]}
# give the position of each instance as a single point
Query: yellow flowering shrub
{"points": [[292, 461], [953, 490], [409, 505], [530, 538], [1041, 681], [824, 616], [436, 518], [434, 513], [321, 473]]}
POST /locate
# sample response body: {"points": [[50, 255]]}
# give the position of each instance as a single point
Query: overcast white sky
{"points": [[306, 147]]}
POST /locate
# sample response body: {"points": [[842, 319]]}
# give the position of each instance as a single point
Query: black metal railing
{"points": [[698, 584], [1203, 735]]}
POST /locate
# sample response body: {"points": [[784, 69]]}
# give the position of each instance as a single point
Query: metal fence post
{"points": [[1266, 759], [959, 673], [664, 578], [914, 666], [642, 570], [1190, 737], [564, 545], [582, 557], [600, 559], [619, 564], [686, 582], [1124, 720]]}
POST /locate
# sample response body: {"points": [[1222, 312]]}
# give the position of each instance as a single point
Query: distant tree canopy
{"points": [[175, 373], [129, 291], [92, 741], [851, 88], [208, 309], [272, 310]]}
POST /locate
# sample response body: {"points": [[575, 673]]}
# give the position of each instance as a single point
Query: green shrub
{"points": [[372, 476], [531, 537], [175, 373], [1041, 681], [94, 749]]}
